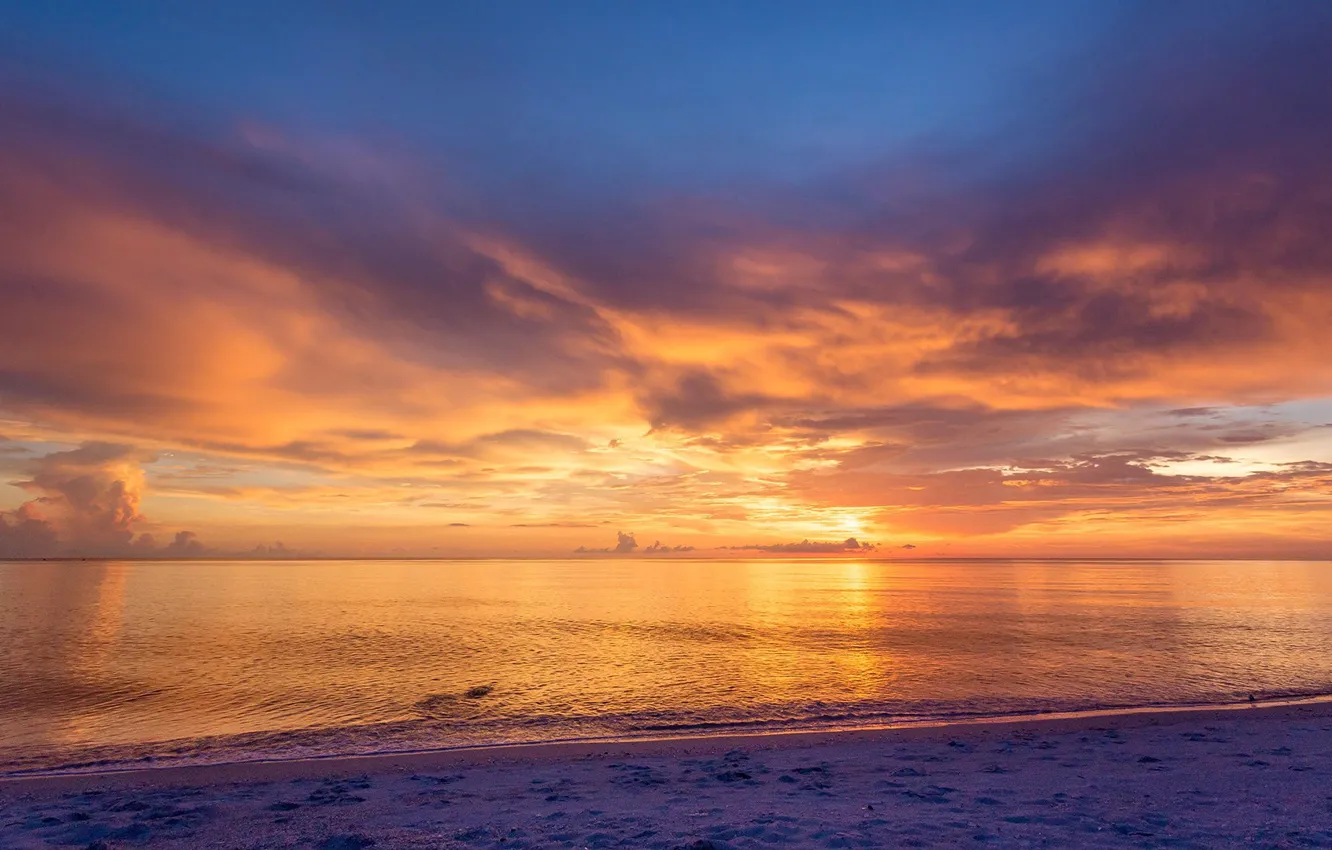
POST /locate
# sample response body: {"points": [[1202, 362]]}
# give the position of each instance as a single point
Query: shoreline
{"points": [[1193, 777], [545, 752]]}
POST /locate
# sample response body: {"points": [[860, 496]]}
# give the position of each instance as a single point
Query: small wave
{"points": [[452, 705], [463, 732]]}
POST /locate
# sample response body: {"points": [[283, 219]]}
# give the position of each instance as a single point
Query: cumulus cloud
{"points": [[624, 543], [92, 493], [185, 544], [23, 534], [86, 502]]}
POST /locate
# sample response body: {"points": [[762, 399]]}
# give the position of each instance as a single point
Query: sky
{"points": [[529, 279]]}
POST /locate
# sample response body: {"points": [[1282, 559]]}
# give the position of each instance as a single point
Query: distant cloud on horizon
{"points": [[810, 547], [627, 544]]}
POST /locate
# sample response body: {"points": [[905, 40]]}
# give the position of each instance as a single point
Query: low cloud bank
{"points": [[627, 544], [809, 547]]}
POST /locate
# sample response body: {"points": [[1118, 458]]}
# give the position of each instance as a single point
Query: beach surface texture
{"points": [[1257, 776]]}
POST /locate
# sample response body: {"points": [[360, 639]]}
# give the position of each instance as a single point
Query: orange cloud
{"points": [[287, 340]]}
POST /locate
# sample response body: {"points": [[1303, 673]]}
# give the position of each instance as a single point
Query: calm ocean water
{"points": [[104, 663]]}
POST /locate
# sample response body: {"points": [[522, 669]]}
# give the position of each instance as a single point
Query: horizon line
{"points": [[611, 557]]}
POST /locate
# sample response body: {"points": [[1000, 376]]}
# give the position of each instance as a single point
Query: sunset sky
{"points": [[511, 279]]}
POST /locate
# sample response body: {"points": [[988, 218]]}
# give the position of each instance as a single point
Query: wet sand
{"points": [[1201, 778]]}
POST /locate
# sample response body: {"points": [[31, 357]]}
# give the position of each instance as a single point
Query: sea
{"points": [[119, 664]]}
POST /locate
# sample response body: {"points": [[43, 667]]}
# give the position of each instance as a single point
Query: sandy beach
{"points": [[1260, 776]]}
